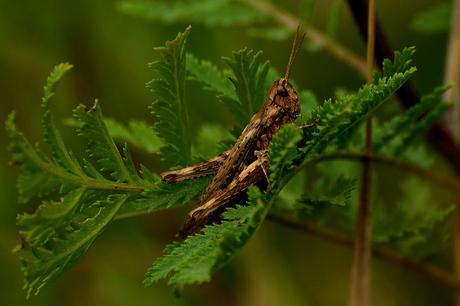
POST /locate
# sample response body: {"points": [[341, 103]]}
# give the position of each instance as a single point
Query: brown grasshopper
{"points": [[246, 163]]}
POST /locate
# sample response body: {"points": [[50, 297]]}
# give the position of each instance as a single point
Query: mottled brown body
{"points": [[242, 166]]}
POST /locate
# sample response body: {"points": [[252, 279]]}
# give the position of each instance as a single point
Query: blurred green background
{"points": [[110, 51]]}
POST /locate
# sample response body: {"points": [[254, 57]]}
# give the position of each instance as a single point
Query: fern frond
{"points": [[282, 150], [424, 239], [59, 232], [211, 13], [248, 92], [249, 85], [50, 219], [401, 123], [165, 195], [52, 135], [337, 119], [400, 63], [204, 71], [201, 255], [138, 134], [171, 109], [316, 206], [39, 175], [62, 253], [102, 146]]}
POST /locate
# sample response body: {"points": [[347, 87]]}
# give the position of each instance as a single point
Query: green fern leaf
{"points": [[248, 93], [102, 146], [62, 253], [50, 219], [52, 135], [165, 195], [401, 123], [316, 206], [59, 232], [422, 126], [171, 109], [40, 175], [201, 255], [249, 85], [282, 150], [138, 134], [424, 239], [400, 63], [205, 72]]}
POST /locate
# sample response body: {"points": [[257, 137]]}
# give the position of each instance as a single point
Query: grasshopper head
{"points": [[283, 94]]}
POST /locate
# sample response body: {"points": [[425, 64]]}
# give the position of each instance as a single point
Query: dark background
{"points": [[110, 51]]}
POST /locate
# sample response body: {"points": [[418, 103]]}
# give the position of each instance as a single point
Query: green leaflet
{"points": [[205, 72], [52, 135], [201, 255], [420, 239], [102, 146], [138, 134], [317, 206], [282, 150], [41, 175], [171, 108], [165, 195], [400, 63], [249, 85], [431, 106], [64, 252]]}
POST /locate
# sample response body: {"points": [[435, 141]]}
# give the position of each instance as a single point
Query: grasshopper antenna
{"points": [[294, 51]]}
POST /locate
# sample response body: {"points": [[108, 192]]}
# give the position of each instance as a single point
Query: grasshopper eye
{"points": [[281, 90]]}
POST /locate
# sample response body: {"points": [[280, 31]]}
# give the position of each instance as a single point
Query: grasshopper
{"points": [[246, 163]]}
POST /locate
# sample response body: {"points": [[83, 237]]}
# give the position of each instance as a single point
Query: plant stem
{"points": [[360, 293], [452, 74]]}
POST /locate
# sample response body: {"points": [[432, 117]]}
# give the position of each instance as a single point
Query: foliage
{"points": [[60, 232], [171, 109]]}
